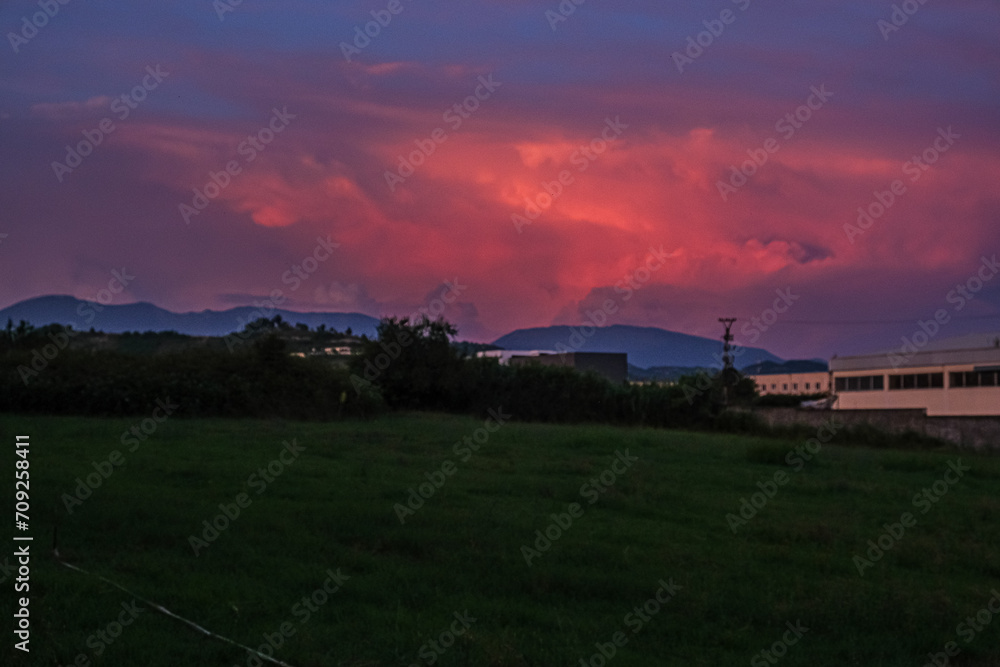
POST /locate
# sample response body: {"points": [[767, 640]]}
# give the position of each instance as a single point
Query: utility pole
{"points": [[727, 358]]}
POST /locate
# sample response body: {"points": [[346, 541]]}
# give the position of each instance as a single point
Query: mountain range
{"points": [[647, 347], [83, 315]]}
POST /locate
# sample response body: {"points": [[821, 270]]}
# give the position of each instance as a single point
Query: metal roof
{"points": [[897, 359]]}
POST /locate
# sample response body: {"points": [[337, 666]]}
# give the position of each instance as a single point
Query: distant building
{"points": [[504, 356], [610, 365], [792, 383], [798, 376], [331, 351], [941, 381]]}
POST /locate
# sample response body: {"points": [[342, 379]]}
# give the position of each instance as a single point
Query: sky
{"points": [[826, 172]]}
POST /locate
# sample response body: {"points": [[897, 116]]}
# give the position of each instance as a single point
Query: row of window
{"points": [[974, 379], [795, 386], [919, 381], [860, 383]]}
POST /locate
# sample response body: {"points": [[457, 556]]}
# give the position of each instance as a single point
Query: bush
{"points": [[261, 381], [413, 366], [409, 366]]}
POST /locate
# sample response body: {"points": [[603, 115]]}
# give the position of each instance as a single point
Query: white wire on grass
{"points": [[165, 611]]}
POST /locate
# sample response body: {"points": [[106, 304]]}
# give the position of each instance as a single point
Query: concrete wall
{"points": [[976, 433]]}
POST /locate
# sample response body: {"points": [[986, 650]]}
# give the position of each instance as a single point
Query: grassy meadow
{"points": [[332, 508]]}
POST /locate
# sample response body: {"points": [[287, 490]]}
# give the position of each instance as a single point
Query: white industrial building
{"points": [[944, 382], [792, 383]]}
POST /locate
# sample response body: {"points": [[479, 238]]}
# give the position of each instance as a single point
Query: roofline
{"points": [[896, 359]]}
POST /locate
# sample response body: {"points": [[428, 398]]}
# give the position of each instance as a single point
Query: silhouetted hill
{"points": [[646, 346], [146, 317]]}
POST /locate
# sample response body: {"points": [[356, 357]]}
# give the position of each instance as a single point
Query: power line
{"points": [[869, 322]]}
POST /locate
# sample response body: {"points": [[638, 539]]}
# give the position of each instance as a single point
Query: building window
{"points": [[784, 387], [861, 383], [974, 379], [773, 387], [917, 381], [807, 386]]}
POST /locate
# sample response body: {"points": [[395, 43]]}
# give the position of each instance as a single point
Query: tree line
{"points": [[410, 365]]}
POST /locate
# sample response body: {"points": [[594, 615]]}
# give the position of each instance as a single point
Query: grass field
{"points": [[330, 510]]}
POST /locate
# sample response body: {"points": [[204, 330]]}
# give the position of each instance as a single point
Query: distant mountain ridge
{"points": [[647, 347], [144, 316]]}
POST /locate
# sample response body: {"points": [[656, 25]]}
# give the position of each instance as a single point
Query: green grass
{"points": [[663, 519]]}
